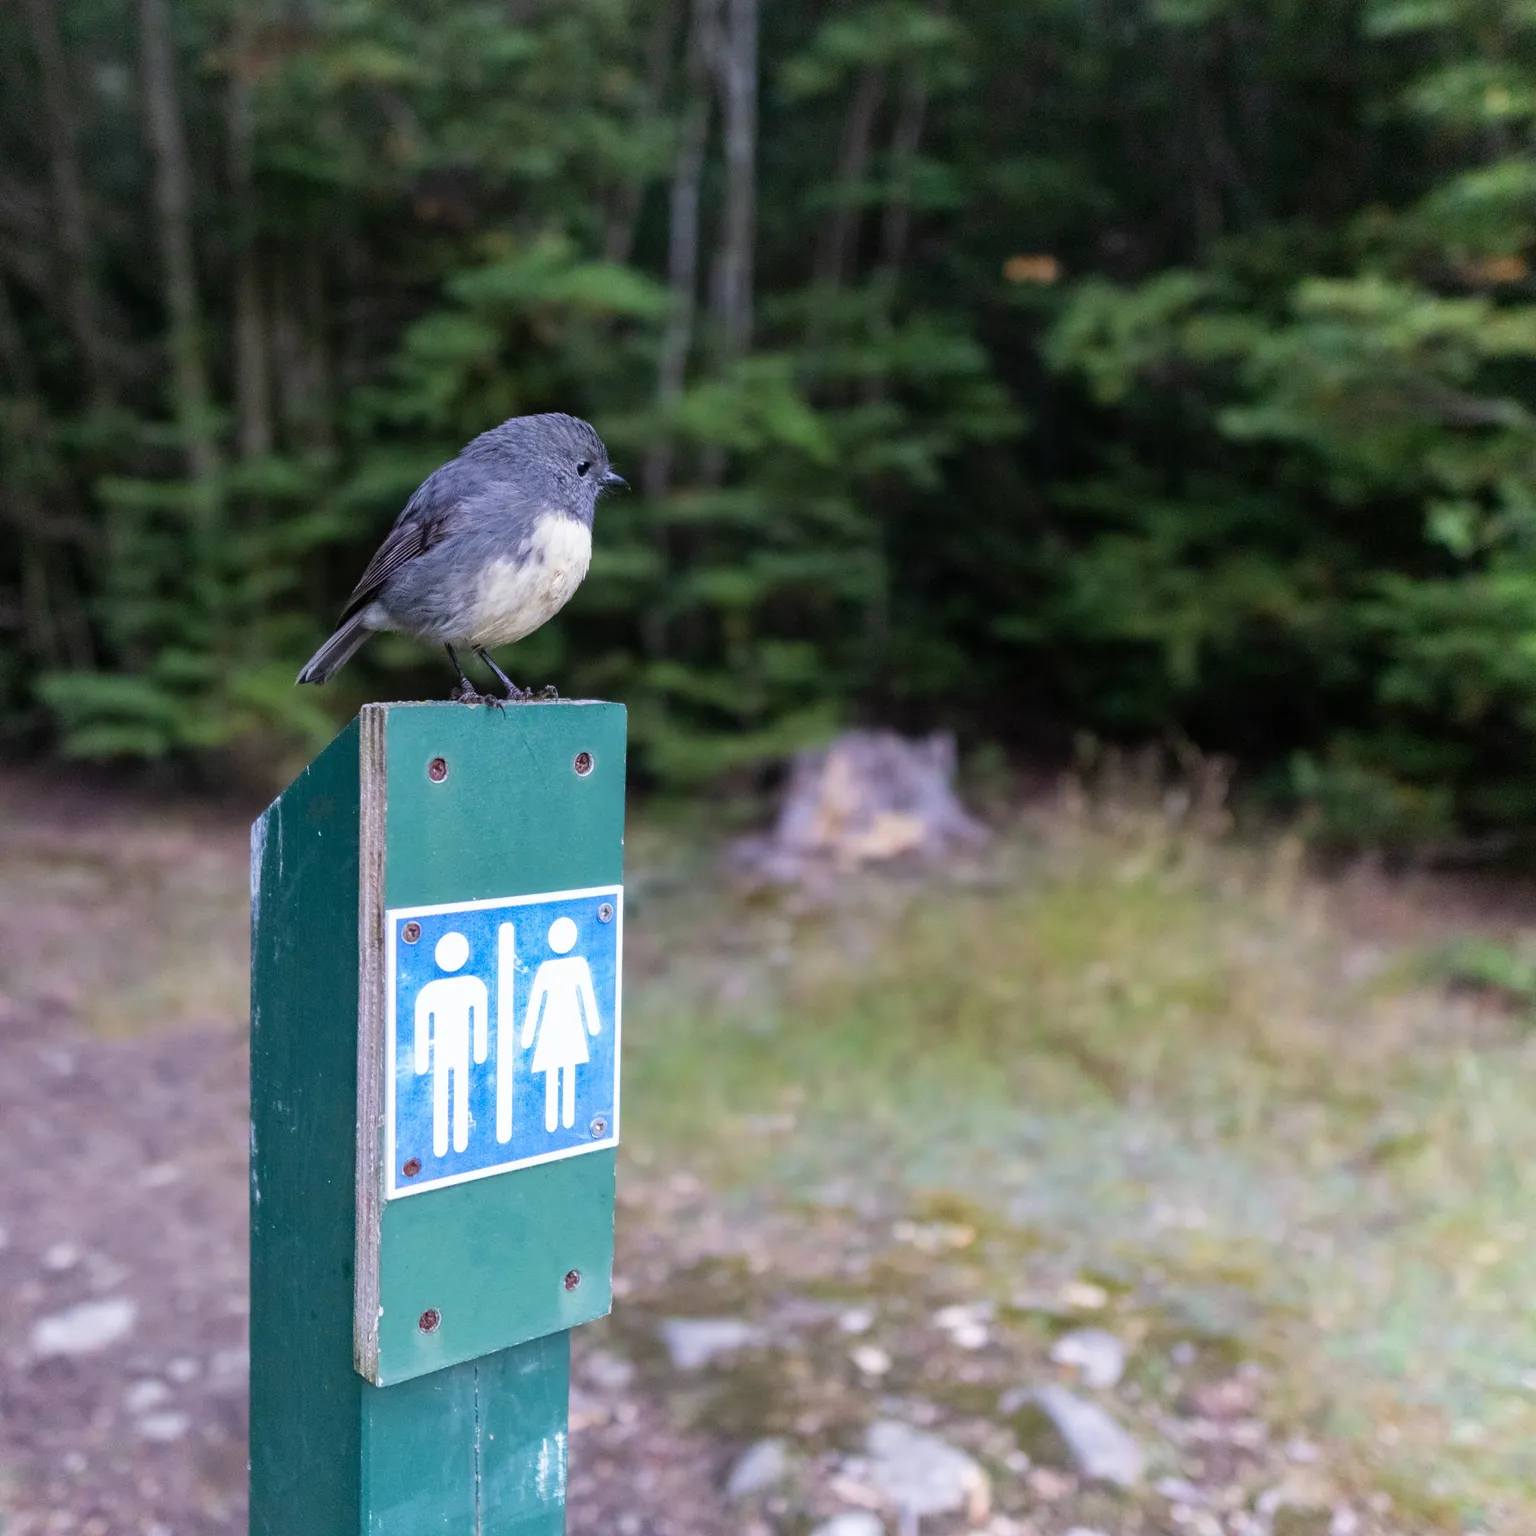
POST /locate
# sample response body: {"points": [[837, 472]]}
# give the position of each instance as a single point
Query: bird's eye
{"points": [[584, 466]]}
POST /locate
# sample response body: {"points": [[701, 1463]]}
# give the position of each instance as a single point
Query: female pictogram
{"points": [[562, 1012]]}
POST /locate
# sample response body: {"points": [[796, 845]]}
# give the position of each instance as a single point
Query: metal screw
{"points": [[437, 769], [429, 1320], [412, 1167], [605, 912], [572, 1279], [599, 1127], [411, 932], [583, 763]]}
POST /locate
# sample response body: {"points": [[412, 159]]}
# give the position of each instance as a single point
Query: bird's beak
{"points": [[613, 479]]}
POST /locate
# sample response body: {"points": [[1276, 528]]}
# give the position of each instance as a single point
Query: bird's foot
{"points": [[465, 694], [548, 694]]}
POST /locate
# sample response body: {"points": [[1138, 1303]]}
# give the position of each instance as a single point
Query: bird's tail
{"points": [[336, 652]]}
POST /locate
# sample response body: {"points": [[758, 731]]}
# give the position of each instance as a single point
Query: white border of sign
{"points": [[395, 915]]}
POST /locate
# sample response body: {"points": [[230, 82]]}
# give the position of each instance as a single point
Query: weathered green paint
{"points": [[306, 1400], [478, 1448], [512, 818], [491, 1256], [475, 1448]]}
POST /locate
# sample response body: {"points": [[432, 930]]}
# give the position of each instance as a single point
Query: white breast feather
{"points": [[519, 593]]}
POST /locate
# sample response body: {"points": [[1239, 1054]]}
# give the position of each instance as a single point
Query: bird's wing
{"points": [[422, 524]]}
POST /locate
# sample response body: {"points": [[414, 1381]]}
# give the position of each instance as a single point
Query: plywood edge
{"points": [[372, 804]]}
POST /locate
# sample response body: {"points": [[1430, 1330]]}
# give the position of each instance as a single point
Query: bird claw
{"points": [[465, 694], [548, 693]]}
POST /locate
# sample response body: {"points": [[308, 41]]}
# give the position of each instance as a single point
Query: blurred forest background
{"points": [[1036, 367]]}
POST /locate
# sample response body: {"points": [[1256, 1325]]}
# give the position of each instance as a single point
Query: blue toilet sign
{"points": [[504, 1023]]}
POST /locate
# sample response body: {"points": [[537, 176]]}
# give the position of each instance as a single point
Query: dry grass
{"points": [[1156, 1051]]}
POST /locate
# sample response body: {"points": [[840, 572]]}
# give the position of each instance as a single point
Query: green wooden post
{"points": [[410, 1311]]}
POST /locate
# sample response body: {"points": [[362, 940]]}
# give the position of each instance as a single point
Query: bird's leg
{"points": [[466, 692], [514, 693]]}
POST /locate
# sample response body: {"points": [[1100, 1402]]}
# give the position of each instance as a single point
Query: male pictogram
{"points": [[448, 1009]]}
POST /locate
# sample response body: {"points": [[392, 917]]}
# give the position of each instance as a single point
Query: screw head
{"points": [[583, 763], [605, 912], [411, 932], [599, 1127], [411, 1167], [429, 1320], [437, 769], [572, 1279]]}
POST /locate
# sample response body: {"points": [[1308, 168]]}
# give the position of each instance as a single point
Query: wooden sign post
{"points": [[437, 918]]}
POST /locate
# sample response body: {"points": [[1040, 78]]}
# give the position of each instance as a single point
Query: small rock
{"points": [[1299, 1506], [83, 1329], [1048, 1485], [1099, 1447], [760, 1466], [1084, 1296], [965, 1325], [1345, 1522], [1083, 1530], [1096, 1354], [61, 1257], [871, 1359], [693, 1342], [857, 1320], [608, 1372], [183, 1368], [105, 1274], [852, 1522], [1232, 1397], [586, 1412], [921, 1475], [1179, 1490], [144, 1395], [232, 1364], [164, 1427]]}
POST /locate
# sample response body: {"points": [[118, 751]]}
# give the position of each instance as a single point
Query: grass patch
{"points": [[1170, 1056]]}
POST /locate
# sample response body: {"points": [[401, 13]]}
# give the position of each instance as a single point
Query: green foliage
{"points": [[1390, 399], [1164, 367]]}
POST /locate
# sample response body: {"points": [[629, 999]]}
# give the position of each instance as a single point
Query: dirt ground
{"points": [[1266, 1299], [127, 1188], [123, 1097]]}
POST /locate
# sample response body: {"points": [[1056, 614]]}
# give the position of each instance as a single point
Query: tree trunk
{"points": [[905, 139], [731, 285], [838, 237], [683, 240], [72, 227], [619, 233], [54, 626], [173, 216], [253, 408]]}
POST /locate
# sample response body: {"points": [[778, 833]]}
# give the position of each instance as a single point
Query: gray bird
{"points": [[491, 546]]}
